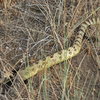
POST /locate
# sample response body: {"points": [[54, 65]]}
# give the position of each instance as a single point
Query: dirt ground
{"points": [[30, 30]]}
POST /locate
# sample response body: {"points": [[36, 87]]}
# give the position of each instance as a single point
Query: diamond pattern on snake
{"points": [[62, 55]]}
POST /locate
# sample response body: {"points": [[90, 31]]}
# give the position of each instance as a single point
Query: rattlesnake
{"points": [[62, 55]]}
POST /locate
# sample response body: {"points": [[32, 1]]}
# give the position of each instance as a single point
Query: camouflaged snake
{"points": [[62, 55]]}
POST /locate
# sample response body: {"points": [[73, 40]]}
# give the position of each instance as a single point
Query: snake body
{"points": [[62, 55]]}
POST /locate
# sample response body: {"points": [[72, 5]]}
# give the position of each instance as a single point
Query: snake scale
{"points": [[62, 55]]}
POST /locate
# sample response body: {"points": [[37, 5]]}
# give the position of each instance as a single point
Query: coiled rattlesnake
{"points": [[62, 55]]}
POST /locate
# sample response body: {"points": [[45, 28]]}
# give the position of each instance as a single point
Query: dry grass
{"points": [[33, 29]]}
